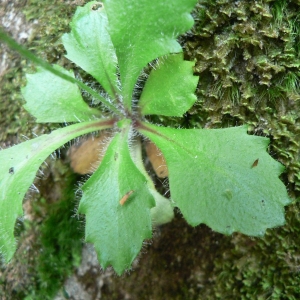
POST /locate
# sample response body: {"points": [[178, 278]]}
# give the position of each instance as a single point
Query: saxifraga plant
{"points": [[220, 177]]}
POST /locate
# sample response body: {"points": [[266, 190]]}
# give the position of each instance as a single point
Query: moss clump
{"points": [[60, 242], [265, 268], [13, 118]]}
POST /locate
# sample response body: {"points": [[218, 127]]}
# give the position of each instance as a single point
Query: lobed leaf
{"points": [[169, 90], [144, 30], [89, 45], [222, 177], [18, 167], [117, 229], [50, 98]]}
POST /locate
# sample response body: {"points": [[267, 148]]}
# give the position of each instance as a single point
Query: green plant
{"points": [[221, 177]]}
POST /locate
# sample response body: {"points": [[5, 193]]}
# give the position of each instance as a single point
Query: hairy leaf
{"points": [[223, 178], [170, 88], [90, 47], [50, 98], [18, 168], [144, 30], [117, 202]]}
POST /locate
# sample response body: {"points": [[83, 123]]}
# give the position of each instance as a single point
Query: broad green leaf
{"points": [[18, 168], [50, 98], [170, 88], [144, 30], [90, 47], [117, 231], [215, 178]]}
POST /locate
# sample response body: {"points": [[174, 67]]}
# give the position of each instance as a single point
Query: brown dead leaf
{"points": [[157, 160], [87, 155]]}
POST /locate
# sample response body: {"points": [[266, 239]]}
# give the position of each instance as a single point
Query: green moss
{"points": [[265, 268], [53, 19], [14, 119], [60, 247]]}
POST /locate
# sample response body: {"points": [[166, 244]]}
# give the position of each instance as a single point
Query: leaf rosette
{"points": [[212, 174]]}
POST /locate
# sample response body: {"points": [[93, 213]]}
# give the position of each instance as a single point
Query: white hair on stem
{"points": [[33, 188]]}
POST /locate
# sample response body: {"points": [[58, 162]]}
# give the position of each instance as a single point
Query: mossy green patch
{"points": [[61, 244], [265, 268]]}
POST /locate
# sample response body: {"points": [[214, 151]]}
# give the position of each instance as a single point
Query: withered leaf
{"points": [[157, 160], [87, 155]]}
